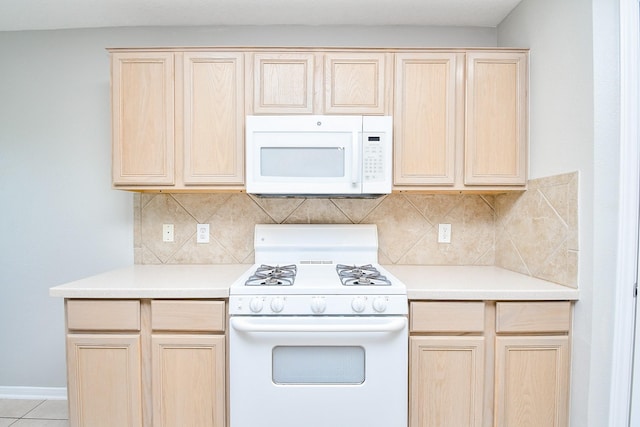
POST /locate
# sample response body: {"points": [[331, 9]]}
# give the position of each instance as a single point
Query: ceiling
{"points": [[16, 15]]}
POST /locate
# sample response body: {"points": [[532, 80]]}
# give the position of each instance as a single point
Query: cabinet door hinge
{"points": [[635, 290]]}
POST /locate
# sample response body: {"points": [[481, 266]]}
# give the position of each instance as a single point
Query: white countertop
{"points": [[476, 283], [213, 281], [156, 281]]}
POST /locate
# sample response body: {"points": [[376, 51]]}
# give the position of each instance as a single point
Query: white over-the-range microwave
{"points": [[319, 155]]}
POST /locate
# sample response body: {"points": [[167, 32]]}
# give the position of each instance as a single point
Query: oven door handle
{"points": [[245, 325]]}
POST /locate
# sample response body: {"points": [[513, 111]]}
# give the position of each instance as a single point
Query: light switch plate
{"points": [[444, 233], [202, 233]]}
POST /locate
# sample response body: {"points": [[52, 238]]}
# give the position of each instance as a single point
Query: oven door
{"points": [[318, 371]]}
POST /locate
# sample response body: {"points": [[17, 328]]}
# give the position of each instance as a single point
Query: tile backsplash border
{"points": [[532, 232]]}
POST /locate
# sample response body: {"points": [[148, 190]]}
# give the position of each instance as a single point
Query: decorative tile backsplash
{"points": [[533, 232], [537, 230]]}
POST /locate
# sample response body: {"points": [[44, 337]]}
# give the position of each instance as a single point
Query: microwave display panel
{"points": [[303, 162]]}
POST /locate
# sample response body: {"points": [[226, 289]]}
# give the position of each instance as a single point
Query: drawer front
{"points": [[438, 316], [533, 316], [103, 315], [177, 315]]}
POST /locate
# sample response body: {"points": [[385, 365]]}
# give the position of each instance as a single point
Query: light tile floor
{"points": [[33, 413]]}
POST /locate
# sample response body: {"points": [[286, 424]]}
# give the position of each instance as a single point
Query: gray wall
{"points": [[60, 220], [575, 126]]}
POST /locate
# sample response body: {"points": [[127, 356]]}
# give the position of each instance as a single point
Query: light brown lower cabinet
{"points": [[161, 363], [532, 364], [104, 381], [188, 380], [447, 381], [151, 363], [532, 380], [488, 364], [447, 364]]}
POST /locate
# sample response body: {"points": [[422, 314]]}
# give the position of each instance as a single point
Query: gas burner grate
{"points": [[267, 275], [363, 275]]}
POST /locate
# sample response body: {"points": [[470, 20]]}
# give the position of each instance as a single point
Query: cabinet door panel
{"points": [[283, 83], [425, 118], [143, 118], [355, 83], [496, 119], [213, 118], [188, 380], [532, 381], [446, 381], [104, 380]]}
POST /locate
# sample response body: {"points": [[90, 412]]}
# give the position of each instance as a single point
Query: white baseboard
{"points": [[33, 393]]}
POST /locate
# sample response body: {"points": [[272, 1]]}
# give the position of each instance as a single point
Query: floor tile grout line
{"points": [[33, 409], [24, 417]]}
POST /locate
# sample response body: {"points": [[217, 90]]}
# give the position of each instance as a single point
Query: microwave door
{"points": [[306, 163]]}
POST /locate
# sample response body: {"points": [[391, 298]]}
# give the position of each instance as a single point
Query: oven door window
{"points": [[318, 365]]}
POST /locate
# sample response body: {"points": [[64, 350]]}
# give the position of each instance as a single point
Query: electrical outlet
{"points": [[444, 233], [202, 233], [167, 233]]}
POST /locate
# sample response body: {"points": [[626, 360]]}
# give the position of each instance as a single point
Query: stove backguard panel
{"points": [[534, 232]]}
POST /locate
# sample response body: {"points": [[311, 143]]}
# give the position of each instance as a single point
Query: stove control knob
{"points": [[380, 304], [318, 305], [358, 304], [277, 304], [256, 304]]}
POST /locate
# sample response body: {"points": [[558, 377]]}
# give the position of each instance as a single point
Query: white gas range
{"points": [[318, 331]]}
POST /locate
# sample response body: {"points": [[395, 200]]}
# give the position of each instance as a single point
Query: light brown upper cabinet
{"points": [[213, 125], [460, 120], [426, 117], [355, 83], [283, 83], [142, 99], [320, 83], [496, 119], [178, 120]]}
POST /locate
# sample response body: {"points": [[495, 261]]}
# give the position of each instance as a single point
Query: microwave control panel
{"points": [[373, 154]]}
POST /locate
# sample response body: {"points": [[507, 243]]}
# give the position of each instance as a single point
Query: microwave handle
{"points": [[356, 162]]}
